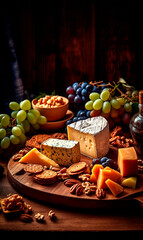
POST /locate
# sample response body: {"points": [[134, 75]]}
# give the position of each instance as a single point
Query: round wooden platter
{"points": [[59, 194]]}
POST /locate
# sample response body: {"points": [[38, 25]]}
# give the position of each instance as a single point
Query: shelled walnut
{"points": [[15, 203]]}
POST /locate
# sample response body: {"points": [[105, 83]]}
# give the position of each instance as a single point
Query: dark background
{"points": [[49, 45]]}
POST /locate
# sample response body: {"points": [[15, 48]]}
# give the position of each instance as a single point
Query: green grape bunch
{"points": [[13, 128]]}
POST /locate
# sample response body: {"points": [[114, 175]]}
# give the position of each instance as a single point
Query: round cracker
{"points": [[46, 175], [33, 168], [77, 167]]}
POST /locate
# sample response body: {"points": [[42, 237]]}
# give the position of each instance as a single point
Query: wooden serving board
{"points": [[59, 194]]}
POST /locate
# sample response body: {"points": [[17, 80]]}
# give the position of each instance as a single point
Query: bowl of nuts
{"points": [[53, 108]]}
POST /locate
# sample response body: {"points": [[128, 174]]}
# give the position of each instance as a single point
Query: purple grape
{"points": [[96, 161], [78, 91], [78, 113], [69, 90], [69, 122], [110, 162], [75, 86], [103, 159], [104, 164], [88, 114], [84, 92], [83, 85], [85, 99], [77, 100], [89, 88], [71, 98], [75, 119]]}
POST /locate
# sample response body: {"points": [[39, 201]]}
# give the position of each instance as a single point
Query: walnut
{"points": [[51, 214], [84, 177], [39, 217]]}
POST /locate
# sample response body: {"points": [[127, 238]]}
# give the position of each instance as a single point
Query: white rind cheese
{"points": [[92, 134], [63, 152]]}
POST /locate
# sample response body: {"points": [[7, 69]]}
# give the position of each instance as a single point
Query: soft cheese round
{"points": [[91, 125]]}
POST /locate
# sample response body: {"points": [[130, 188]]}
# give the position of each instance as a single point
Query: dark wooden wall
{"points": [[64, 41]]}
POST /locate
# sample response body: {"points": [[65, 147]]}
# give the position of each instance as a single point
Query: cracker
{"points": [[76, 167], [33, 168], [46, 177]]}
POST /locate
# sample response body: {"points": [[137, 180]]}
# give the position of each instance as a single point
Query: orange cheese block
{"points": [[34, 156], [127, 161], [93, 178], [114, 187], [106, 173], [95, 170]]}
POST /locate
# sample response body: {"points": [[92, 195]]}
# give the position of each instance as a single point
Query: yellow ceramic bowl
{"points": [[52, 114]]}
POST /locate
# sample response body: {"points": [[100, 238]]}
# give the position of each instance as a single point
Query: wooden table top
{"points": [[126, 217]]}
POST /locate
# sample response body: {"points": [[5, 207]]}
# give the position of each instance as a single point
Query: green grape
{"points": [[121, 101], [1, 115], [22, 138], [2, 133], [16, 131], [106, 108], [21, 116], [97, 105], [0, 125], [22, 128], [42, 120], [105, 94], [89, 105], [128, 107], [14, 106], [115, 103], [36, 126], [35, 112], [5, 142], [25, 104], [94, 95], [5, 121], [31, 118], [14, 139], [25, 124], [13, 114]]}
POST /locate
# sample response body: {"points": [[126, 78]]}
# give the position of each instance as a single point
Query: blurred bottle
{"points": [[136, 127]]}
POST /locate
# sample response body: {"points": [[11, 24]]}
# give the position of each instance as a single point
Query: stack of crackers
{"points": [[40, 174], [46, 177], [77, 168]]}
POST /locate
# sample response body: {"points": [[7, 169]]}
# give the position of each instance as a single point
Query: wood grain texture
{"points": [[58, 193], [126, 216]]}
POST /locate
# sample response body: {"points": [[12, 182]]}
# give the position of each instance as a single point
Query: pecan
{"points": [[70, 182], [26, 218], [73, 188], [100, 193], [79, 190]]}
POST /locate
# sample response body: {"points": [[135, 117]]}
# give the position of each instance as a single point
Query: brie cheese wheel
{"points": [[92, 135]]}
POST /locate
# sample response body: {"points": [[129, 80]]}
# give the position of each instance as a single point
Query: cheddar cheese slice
{"points": [[34, 156], [114, 187]]}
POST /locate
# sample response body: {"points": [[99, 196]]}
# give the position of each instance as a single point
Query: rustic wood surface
{"points": [[58, 193], [126, 216]]}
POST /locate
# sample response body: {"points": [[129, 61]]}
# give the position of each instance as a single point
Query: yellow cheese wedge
{"points": [[34, 156], [129, 182]]}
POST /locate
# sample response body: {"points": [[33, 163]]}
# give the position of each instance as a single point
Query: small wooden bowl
{"points": [[52, 114]]}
